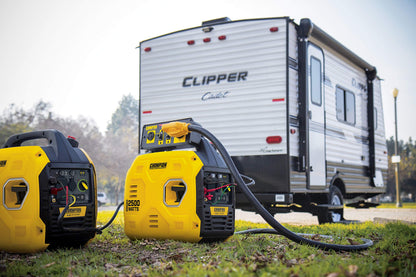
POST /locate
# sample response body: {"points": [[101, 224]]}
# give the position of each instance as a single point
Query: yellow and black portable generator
{"points": [[48, 193], [183, 195], [189, 195]]}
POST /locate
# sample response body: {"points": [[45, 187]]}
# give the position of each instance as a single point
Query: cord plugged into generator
{"points": [[179, 129], [97, 230]]}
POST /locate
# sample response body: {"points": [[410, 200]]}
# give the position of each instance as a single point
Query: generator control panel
{"points": [[78, 183], [218, 188], [154, 139]]}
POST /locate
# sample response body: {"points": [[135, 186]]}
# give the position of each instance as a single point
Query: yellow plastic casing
{"points": [[150, 207], [21, 228]]}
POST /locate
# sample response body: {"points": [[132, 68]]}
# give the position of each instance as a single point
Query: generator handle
{"points": [[55, 139]]}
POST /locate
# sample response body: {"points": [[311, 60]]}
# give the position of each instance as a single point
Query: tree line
{"points": [[407, 168], [114, 151]]}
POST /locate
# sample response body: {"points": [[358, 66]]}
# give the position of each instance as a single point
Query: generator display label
{"points": [[132, 205], [74, 211], [219, 211]]}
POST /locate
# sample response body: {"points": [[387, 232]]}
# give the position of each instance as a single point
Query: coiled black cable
{"points": [[280, 229]]}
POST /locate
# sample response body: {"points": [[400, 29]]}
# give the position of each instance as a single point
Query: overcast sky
{"points": [[81, 56]]}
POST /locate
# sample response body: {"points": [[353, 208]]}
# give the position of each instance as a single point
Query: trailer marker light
{"points": [[293, 131], [274, 139], [147, 49], [191, 42], [147, 112], [278, 100], [274, 29], [207, 40], [222, 37]]}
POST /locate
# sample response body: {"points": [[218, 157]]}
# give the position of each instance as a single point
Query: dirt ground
{"points": [[361, 215]]}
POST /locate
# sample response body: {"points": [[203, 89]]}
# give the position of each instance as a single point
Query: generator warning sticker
{"points": [[132, 205], [216, 211], [74, 211]]}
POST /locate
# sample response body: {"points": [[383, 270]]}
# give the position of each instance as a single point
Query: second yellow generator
{"points": [[186, 195]]}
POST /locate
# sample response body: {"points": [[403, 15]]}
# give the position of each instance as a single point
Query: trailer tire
{"points": [[334, 198]]}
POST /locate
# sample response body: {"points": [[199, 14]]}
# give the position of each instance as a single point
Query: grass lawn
{"points": [[113, 254]]}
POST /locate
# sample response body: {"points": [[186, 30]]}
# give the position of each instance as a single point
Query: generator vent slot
{"points": [[133, 193], [219, 223], [133, 190], [153, 221], [55, 234]]}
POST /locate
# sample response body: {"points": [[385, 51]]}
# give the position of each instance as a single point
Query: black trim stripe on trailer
{"points": [[308, 29], [371, 75], [287, 98], [303, 101]]}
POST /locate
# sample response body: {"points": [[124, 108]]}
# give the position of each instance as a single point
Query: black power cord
{"points": [[278, 228], [97, 230], [111, 219]]}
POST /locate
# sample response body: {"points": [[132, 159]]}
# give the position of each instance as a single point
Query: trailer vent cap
{"points": [[216, 21]]}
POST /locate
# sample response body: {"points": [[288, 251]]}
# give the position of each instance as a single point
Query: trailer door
{"points": [[316, 117]]}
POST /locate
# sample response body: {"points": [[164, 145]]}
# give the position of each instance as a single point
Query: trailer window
{"points": [[345, 105], [316, 81]]}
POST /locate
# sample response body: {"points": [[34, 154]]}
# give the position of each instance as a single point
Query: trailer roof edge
{"points": [[308, 29]]}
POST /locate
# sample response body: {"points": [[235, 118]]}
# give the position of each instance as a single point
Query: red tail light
{"points": [[147, 49], [274, 29], [222, 37], [191, 42], [207, 40], [274, 139]]}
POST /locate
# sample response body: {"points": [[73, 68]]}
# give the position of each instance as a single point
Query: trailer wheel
{"points": [[332, 216]]}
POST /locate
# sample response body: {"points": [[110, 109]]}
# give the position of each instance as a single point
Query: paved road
{"points": [[373, 214]]}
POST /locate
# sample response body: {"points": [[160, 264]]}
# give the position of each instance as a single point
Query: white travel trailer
{"points": [[297, 110]]}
